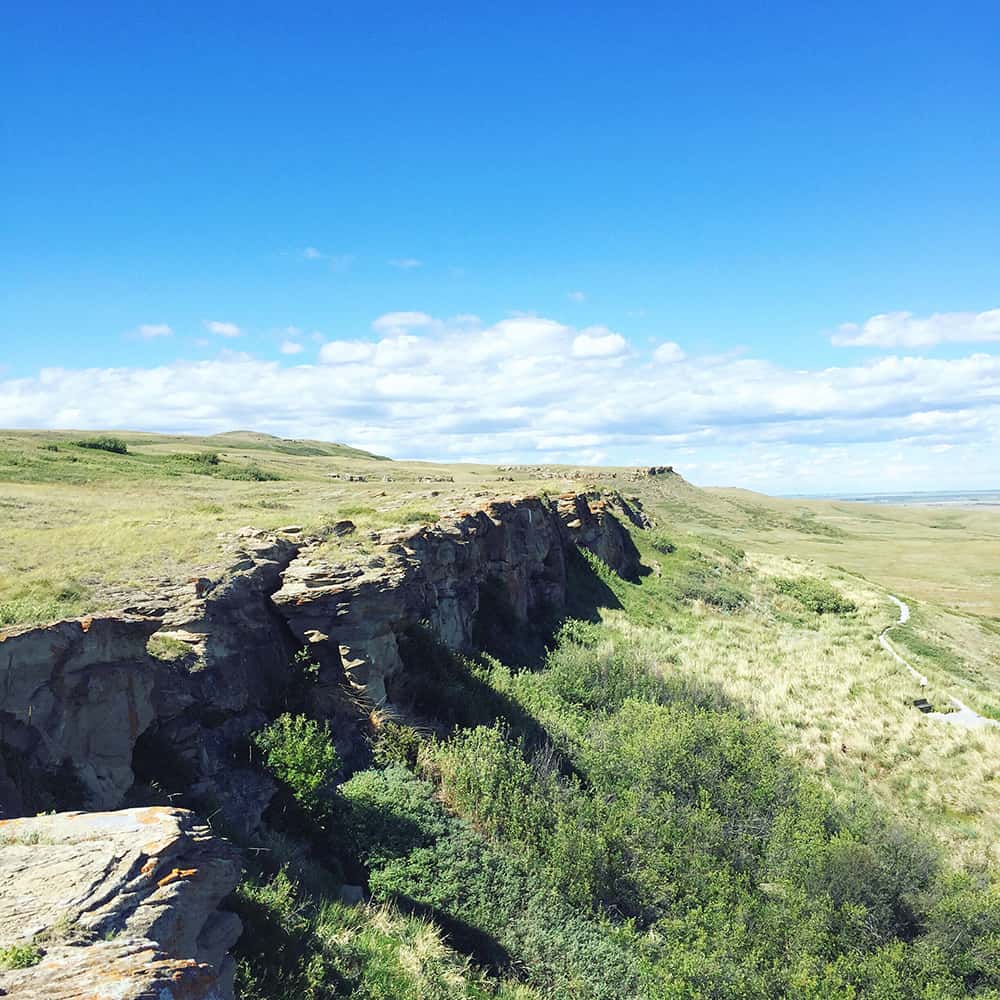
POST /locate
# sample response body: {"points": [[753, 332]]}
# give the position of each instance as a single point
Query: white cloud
{"points": [[528, 387], [576, 296], [668, 353], [598, 342], [311, 253], [291, 347], [406, 263], [221, 329], [149, 331], [401, 322], [344, 352], [903, 329]]}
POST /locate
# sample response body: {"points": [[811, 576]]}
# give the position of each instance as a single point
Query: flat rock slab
{"points": [[121, 905]]}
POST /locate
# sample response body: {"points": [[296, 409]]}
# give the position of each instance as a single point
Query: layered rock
{"points": [[117, 906], [76, 695], [85, 700], [514, 551]]}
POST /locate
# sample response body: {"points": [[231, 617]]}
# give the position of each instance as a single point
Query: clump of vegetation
{"points": [[816, 595], [20, 956], [414, 515], [168, 648], [114, 445], [299, 752], [251, 472], [305, 667], [205, 462], [661, 542], [44, 600], [296, 943], [396, 743]]}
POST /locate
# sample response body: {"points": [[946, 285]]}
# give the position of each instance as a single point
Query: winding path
{"points": [[965, 716]]}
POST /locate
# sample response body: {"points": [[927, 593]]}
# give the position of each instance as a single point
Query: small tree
{"points": [[299, 752]]}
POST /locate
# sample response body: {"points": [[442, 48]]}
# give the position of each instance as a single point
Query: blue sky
{"points": [[192, 194]]}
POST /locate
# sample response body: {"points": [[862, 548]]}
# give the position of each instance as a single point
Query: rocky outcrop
{"points": [[117, 906], [592, 525], [513, 551], [76, 695], [170, 689]]}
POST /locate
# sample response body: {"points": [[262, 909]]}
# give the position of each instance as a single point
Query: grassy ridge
{"points": [[716, 786]]}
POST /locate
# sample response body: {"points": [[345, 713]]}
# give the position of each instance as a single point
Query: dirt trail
{"points": [[964, 716]]}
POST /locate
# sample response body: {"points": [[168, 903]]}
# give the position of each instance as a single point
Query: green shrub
{"points": [[661, 543], [816, 595], [575, 632], [252, 473], [389, 813], [414, 515], [111, 444], [202, 462], [299, 752], [396, 744], [19, 956]]}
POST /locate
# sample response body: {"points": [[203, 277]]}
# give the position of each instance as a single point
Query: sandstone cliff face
{"points": [[514, 551], [121, 906], [80, 692], [93, 701], [85, 697]]}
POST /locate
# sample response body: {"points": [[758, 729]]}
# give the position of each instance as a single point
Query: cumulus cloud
{"points": [[291, 347], [221, 329], [668, 353], [903, 329], [530, 388], [345, 352], [598, 342], [149, 331]]}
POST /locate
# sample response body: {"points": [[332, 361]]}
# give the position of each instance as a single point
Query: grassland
{"points": [[757, 627], [81, 529]]}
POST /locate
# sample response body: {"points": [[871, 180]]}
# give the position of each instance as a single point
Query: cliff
{"points": [[163, 695]]}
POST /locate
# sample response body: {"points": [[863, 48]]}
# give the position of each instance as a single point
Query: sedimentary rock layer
{"points": [[120, 905]]}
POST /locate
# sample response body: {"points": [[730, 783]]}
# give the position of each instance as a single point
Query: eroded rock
{"points": [[513, 552], [75, 696], [121, 906]]}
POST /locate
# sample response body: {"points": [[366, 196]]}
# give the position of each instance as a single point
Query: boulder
{"points": [[118, 905]]}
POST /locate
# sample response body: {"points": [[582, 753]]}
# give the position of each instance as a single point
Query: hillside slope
{"points": [[624, 738]]}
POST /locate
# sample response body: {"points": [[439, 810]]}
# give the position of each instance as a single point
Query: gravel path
{"points": [[964, 716]]}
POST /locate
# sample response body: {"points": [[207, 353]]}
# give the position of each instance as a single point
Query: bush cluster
{"points": [[816, 595], [112, 444], [299, 752]]}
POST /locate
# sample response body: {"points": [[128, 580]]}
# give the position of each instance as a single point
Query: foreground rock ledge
{"points": [[122, 905]]}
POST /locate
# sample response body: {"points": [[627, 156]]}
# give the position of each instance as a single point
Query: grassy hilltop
{"points": [[716, 785]]}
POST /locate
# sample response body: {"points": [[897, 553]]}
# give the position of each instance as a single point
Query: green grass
{"points": [[296, 943]]}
